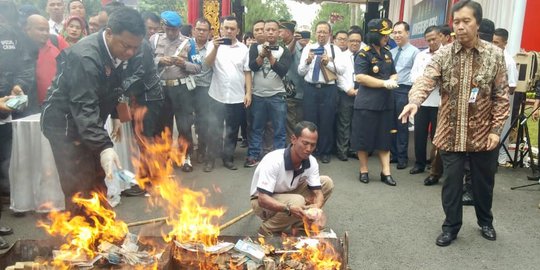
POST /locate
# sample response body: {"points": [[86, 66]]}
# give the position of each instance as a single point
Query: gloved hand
{"points": [[390, 84], [109, 159]]}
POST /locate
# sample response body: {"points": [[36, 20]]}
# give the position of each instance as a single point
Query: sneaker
{"points": [[250, 162], [187, 167]]}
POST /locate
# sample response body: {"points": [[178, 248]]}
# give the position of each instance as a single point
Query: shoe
{"points": [[134, 191], [5, 230], [506, 165], [325, 158], [229, 165], [467, 198], [3, 243], [187, 167], [342, 157], [208, 166], [387, 179], [416, 170], [445, 239], [401, 165], [353, 155], [244, 144], [19, 214], [431, 180], [364, 178], [250, 162], [489, 233]]}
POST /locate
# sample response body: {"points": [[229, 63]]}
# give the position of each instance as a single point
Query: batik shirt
{"points": [[464, 122]]}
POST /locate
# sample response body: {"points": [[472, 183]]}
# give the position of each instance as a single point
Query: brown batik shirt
{"points": [[464, 124]]}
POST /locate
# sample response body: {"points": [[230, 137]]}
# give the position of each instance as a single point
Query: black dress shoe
{"points": [[445, 239], [364, 178], [489, 233], [134, 191], [208, 166], [431, 180], [467, 198], [3, 243], [387, 179], [5, 230], [401, 165], [325, 158], [342, 157], [229, 165], [416, 170]]}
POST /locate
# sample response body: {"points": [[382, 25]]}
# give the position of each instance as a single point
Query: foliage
{"points": [[158, 6], [265, 10], [329, 10]]}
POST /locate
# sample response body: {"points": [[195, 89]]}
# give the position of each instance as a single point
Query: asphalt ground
{"points": [[389, 227]]}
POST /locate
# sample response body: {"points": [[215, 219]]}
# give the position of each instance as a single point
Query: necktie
{"points": [[397, 55], [317, 67]]}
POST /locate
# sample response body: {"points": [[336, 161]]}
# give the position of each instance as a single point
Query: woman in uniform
{"points": [[372, 117]]}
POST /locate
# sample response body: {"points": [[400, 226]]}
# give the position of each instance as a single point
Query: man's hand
{"points": [[390, 84], [408, 111], [179, 61], [217, 42], [116, 133], [17, 90], [352, 92], [109, 160], [325, 59], [493, 141], [297, 211], [3, 107], [247, 100], [309, 58], [166, 61]]}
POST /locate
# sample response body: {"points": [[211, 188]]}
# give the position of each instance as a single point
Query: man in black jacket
{"points": [[83, 94]]}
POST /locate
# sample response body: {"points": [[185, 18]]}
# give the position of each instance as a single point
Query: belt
{"points": [[175, 82], [320, 85]]}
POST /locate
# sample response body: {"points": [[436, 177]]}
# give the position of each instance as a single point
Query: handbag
{"points": [[290, 88], [326, 72]]}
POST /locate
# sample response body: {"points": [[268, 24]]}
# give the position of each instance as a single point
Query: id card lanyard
{"points": [[474, 93]]}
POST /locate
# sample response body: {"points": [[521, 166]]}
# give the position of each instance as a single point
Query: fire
{"points": [[319, 257], [82, 234]]}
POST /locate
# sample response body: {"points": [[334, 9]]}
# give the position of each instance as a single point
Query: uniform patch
{"points": [[374, 60], [367, 48], [362, 54], [8, 45], [375, 69]]}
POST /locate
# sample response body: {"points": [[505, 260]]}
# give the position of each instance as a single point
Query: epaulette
{"points": [[361, 54], [367, 48], [387, 47]]}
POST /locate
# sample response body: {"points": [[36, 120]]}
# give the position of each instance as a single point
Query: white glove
{"points": [[109, 160], [390, 84]]}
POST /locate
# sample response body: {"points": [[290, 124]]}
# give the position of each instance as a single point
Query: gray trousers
{"points": [[345, 111]]}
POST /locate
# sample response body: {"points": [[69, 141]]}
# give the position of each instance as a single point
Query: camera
{"points": [[272, 47], [225, 41], [305, 35]]}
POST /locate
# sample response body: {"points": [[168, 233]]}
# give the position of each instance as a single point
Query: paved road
{"points": [[390, 227]]}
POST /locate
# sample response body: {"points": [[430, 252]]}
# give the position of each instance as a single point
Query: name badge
{"points": [[474, 94]]}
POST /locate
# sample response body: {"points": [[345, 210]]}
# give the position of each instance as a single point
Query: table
{"points": [[32, 174]]}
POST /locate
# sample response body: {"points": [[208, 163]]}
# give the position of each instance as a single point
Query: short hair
{"points": [[256, 22], [300, 126], [405, 25], [486, 30], [374, 38], [324, 23], [272, 21], [445, 29], [147, 15], [475, 6], [431, 29], [71, 1], [503, 33], [110, 7], [126, 19], [186, 30], [230, 18], [355, 29], [203, 20], [247, 35], [340, 32]]}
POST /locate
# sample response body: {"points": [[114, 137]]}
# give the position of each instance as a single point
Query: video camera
{"points": [[528, 66]]}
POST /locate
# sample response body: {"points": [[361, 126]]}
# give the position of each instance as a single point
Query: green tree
{"points": [[158, 6], [265, 10], [339, 15]]}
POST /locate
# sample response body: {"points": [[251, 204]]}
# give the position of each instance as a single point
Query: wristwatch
{"points": [[288, 209]]}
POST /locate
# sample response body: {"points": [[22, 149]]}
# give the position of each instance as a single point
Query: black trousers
{"points": [[202, 113], [231, 114], [320, 108], [483, 166], [6, 139], [424, 117]]}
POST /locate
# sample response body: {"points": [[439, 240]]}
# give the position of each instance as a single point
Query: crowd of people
{"points": [[349, 93]]}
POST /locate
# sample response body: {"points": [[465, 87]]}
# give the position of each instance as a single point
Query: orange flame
{"points": [[320, 257]]}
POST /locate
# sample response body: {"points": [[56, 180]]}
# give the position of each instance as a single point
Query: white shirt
{"points": [[421, 61], [345, 81], [55, 28], [228, 81], [275, 174], [511, 69], [307, 70]]}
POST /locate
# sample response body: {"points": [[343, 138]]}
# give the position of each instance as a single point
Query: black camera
{"points": [[272, 47]]}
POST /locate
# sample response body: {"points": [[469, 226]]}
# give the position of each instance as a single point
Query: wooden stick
{"points": [[162, 219]]}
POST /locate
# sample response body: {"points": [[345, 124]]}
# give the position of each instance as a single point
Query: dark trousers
{"points": [[320, 108], [483, 166], [345, 111], [400, 140], [202, 115], [295, 114], [79, 170], [179, 106], [6, 140], [423, 118], [231, 115]]}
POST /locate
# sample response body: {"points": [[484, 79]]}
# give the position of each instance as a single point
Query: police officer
{"points": [[171, 54], [372, 116], [83, 94]]}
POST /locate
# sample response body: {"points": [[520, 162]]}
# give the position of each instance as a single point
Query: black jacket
{"points": [[83, 94]]}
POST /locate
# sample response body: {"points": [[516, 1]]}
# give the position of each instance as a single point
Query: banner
{"points": [[424, 14]]}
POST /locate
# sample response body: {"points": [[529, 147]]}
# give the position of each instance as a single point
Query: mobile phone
{"points": [[273, 47], [305, 34], [317, 51], [225, 41]]}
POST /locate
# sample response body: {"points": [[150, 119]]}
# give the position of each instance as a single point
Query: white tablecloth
{"points": [[32, 174]]}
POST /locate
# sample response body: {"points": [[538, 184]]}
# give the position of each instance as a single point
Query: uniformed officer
{"points": [[372, 117], [171, 55]]}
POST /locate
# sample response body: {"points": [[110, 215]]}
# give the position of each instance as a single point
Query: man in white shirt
{"points": [[55, 9], [427, 113], [286, 184], [500, 39], [320, 95], [230, 91]]}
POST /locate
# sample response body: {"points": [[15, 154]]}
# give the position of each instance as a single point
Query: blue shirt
{"points": [[405, 62]]}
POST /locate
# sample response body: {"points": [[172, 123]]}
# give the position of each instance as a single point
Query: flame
{"points": [[83, 234], [320, 257]]}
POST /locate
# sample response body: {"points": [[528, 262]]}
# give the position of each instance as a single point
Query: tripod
{"points": [[523, 137]]}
